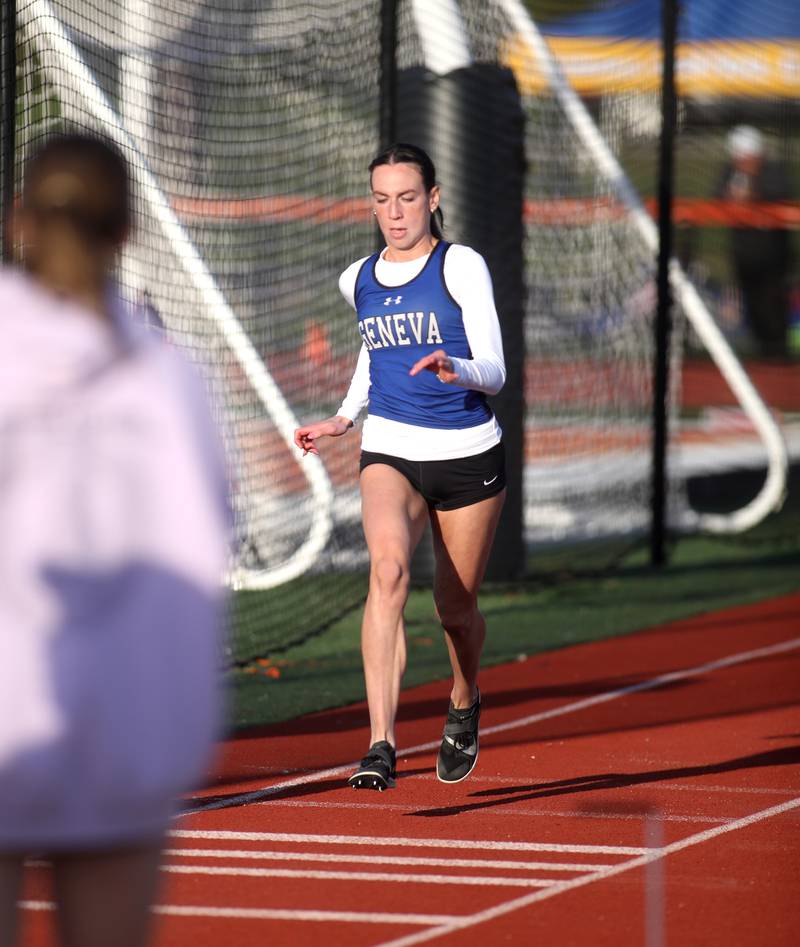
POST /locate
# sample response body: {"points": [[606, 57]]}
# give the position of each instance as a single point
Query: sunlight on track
{"points": [[660, 680]]}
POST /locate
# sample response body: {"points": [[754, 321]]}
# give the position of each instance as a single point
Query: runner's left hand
{"points": [[438, 362]]}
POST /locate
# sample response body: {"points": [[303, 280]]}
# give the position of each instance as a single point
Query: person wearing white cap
{"points": [[761, 256], [745, 143]]}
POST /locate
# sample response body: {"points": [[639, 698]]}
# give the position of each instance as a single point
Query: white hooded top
{"points": [[113, 544]]}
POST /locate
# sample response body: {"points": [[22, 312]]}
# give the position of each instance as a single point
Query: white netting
{"points": [[590, 278], [248, 130], [249, 127]]}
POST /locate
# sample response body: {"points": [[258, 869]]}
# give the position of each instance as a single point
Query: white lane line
{"points": [[671, 677], [278, 914], [510, 807], [744, 790], [731, 660], [400, 842], [559, 888], [339, 857], [382, 876], [267, 914]]}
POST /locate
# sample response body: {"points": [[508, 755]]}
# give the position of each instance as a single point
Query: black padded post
{"points": [[471, 123]]}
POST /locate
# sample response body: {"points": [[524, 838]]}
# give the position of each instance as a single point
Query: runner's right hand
{"points": [[305, 437]]}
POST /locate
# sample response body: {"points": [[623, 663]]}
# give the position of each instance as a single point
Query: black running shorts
{"points": [[450, 484]]}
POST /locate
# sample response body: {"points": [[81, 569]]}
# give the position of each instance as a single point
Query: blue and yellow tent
{"points": [[726, 48]]}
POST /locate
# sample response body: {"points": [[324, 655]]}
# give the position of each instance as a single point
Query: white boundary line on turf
{"points": [[400, 842], [278, 914], [560, 887], [731, 660], [381, 876], [339, 857]]}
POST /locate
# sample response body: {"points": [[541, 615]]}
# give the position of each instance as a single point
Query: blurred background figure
{"points": [[761, 257], [114, 543]]}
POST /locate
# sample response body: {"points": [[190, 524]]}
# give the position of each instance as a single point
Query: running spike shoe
{"points": [[458, 753], [378, 768]]}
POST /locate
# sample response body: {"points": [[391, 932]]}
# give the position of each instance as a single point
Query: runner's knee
{"points": [[389, 577], [458, 618]]}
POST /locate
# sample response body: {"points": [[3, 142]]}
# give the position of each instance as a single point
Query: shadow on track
{"points": [[786, 756], [259, 794]]}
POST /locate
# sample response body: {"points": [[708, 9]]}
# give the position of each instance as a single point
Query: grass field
{"points": [[550, 609]]}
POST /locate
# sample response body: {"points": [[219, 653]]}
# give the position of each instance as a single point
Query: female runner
{"points": [[431, 447]]}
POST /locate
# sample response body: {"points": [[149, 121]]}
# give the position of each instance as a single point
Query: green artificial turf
{"points": [[537, 614]]}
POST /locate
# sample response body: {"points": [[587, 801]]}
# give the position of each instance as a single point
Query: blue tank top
{"points": [[401, 324]]}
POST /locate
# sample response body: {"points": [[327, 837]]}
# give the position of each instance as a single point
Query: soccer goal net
{"points": [[249, 128]]}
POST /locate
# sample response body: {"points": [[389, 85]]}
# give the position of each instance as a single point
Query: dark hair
{"points": [[106, 218], [403, 153]]}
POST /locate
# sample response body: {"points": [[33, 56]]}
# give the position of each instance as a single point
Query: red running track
{"points": [[642, 790]]}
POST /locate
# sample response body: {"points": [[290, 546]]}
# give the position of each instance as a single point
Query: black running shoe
{"points": [[377, 769], [458, 753]]}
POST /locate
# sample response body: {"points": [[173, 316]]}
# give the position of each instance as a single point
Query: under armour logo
{"points": [[392, 299]]}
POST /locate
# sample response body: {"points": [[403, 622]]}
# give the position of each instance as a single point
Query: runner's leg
{"points": [[462, 540], [394, 515], [105, 897]]}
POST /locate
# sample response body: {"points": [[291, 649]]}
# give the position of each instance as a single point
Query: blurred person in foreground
{"points": [[113, 546], [761, 256]]}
